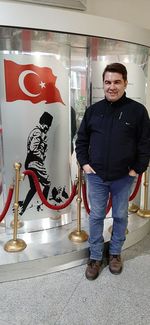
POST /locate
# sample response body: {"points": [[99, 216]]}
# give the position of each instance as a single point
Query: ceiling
{"points": [[70, 4]]}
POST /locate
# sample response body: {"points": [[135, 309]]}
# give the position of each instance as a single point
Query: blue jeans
{"points": [[98, 192]]}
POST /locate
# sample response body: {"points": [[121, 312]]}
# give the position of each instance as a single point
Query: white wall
{"points": [[134, 11], [43, 17]]}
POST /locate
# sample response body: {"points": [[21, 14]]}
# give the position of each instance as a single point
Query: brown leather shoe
{"points": [[115, 264], [93, 269]]}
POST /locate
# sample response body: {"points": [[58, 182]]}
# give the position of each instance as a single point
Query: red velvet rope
{"points": [[42, 197], [132, 196], [109, 205], [7, 204], [137, 186], [84, 196]]}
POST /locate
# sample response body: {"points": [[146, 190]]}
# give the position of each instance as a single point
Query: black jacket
{"points": [[114, 138]]}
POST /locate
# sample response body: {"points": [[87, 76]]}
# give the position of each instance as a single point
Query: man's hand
{"points": [[132, 173], [88, 169]]}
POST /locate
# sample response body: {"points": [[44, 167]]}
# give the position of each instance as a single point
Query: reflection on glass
{"points": [[83, 58], [133, 56]]}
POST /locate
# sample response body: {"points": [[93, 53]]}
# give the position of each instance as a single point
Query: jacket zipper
{"points": [[108, 145]]}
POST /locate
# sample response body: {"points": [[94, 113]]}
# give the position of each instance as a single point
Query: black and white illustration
{"points": [[35, 161], [36, 101]]}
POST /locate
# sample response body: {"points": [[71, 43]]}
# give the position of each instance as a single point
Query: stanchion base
{"points": [[143, 213], [110, 230], [15, 245], [133, 208], [78, 236], [20, 224]]}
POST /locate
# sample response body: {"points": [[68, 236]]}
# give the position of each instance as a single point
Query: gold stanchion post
{"points": [[133, 208], [20, 223], [145, 213], [78, 235], [15, 244]]}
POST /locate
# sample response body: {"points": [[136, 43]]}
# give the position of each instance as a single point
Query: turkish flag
{"points": [[30, 82]]}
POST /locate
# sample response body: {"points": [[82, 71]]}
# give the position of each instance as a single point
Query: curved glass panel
{"points": [[71, 66], [133, 56], [35, 97]]}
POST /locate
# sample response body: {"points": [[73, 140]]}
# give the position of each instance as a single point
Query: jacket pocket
{"points": [[127, 128]]}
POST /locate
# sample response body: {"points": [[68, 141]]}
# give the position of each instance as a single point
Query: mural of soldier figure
{"points": [[36, 154]]}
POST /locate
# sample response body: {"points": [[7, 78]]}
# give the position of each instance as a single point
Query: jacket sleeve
{"points": [[143, 143], [82, 142]]}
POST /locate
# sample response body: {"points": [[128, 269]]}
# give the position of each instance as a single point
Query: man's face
{"points": [[114, 86]]}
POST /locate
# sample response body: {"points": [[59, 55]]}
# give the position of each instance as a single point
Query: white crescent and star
{"points": [[21, 78]]}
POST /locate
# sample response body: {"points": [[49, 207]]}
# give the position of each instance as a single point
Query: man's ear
{"points": [[126, 83]]}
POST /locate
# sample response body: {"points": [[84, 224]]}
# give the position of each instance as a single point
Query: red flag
{"points": [[30, 82]]}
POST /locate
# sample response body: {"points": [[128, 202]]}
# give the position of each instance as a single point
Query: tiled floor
{"points": [[68, 298]]}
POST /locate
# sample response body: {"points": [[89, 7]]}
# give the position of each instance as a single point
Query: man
{"points": [[112, 147], [36, 154]]}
